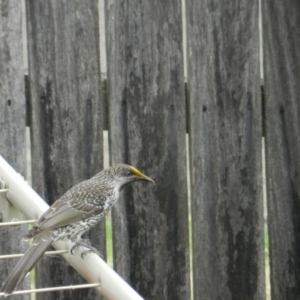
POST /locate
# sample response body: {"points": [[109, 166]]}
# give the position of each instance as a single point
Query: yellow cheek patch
{"points": [[136, 172]]}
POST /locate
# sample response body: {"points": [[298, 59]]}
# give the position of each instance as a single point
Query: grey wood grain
{"points": [[147, 129], [66, 102], [12, 120], [282, 76], [225, 149]]}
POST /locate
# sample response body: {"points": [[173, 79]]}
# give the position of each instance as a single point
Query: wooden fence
{"points": [[148, 110]]}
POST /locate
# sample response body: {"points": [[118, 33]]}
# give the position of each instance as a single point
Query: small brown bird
{"points": [[80, 208]]}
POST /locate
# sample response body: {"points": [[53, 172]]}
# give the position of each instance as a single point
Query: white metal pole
{"points": [[92, 267]]}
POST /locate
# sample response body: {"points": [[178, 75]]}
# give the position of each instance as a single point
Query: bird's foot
{"points": [[91, 250], [86, 244], [82, 242]]}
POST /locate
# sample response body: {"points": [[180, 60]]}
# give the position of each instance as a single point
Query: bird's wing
{"points": [[61, 214]]}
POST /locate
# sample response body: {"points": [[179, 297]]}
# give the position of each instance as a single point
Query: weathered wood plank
{"points": [[282, 76], [147, 129], [64, 73], [225, 147], [12, 119]]}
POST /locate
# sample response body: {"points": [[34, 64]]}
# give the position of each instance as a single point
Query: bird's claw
{"points": [[86, 244], [73, 249]]}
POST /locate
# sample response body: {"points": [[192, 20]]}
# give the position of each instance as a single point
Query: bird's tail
{"points": [[26, 263]]}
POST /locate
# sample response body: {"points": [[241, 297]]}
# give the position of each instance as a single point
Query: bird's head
{"points": [[124, 174]]}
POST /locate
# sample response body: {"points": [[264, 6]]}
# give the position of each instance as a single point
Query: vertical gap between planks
{"points": [[103, 62], [24, 37], [27, 93], [28, 119], [185, 65], [102, 39], [261, 67], [189, 217], [106, 158], [266, 234], [184, 39], [108, 222]]}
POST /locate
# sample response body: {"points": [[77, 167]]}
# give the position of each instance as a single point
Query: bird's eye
{"points": [[128, 173]]}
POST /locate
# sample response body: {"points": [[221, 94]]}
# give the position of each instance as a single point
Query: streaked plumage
{"points": [[80, 208]]}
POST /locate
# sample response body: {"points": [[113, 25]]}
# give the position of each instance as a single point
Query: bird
{"points": [[74, 213]]}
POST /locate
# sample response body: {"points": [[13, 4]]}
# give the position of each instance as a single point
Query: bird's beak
{"points": [[144, 177], [141, 176]]}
